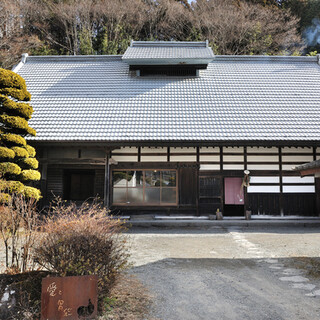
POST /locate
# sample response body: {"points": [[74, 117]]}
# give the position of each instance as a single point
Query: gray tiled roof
{"points": [[237, 98], [165, 51]]}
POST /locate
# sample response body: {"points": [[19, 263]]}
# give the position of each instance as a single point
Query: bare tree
{"points": [[245, 28]]}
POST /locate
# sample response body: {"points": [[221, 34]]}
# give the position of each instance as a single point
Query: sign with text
{"points": [[69, 298]]}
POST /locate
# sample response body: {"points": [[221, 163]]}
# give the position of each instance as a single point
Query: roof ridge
{"points": [[267, 58], [73, 58], [168, 44]]}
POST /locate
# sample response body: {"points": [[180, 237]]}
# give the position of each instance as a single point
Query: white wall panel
{"points": [[298, 189], [233, 166], [260, 179], [209, 167], [294, 158], [287, 167], [296, 150], [263, 167], [209, 158], [238, 158], [209, 149], [121, 158], [232, 150], [262, 158], [262, 150], [190, 158], [153, 150], [183, 150], [153, 158], [298, 179], [126, 150], [264, 189]]}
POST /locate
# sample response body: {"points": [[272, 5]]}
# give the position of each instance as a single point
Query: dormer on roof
{"points": [[168, 57]]}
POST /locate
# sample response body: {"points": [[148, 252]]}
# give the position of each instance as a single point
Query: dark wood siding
{"points": [[99, 183], [54, 183], [264, 203], [210, 194], [302, 204], [188, 186]]}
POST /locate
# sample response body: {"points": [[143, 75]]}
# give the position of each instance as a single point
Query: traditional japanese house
{"points": [[171, 128]]}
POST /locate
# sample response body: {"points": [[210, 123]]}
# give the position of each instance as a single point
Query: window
{"points": [[147, 187], [78, 185]]}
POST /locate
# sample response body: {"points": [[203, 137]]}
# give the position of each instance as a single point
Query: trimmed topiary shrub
{"points": [[15, 154], [6, 153], [30, 175]]}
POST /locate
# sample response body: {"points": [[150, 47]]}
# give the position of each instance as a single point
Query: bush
{"points": [[83, 241], [13, 139], [18, 222], [30, 175]]}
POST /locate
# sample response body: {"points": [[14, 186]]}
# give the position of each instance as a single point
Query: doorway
{"points": [[233, 197]]}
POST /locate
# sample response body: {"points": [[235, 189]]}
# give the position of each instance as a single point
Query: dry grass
{"points": [[311, 265], [128, 300]]}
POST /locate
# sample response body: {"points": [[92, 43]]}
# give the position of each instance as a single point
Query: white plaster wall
{"points": [[209, 167], [153, 158], [153, 150], [233, 166], [293, 158], [190, 158], [262, 158], [298, 179], [126, 150], [238, 158], [121, 158], [232, 150], [262, 150], [209, 149], [264, 189], [296, 150], [298, 189], [263, 167], [262, 179], [183, 150], [209, 158]]}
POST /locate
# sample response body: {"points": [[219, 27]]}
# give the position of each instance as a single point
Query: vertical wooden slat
{"points": [[106, 196]]}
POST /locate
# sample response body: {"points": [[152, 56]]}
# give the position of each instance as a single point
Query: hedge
{"points": [[31, 150], [29, 163], [30, 175], [17, 123], [21, 109], [31, 192], [6, 153], [9, 168], [13, 139], [20, 152]]}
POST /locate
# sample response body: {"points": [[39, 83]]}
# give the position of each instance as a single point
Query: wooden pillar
{"points": [[222, 180], [106, 196], [245, 193], [197, 180], [317, 185], [281, 184]]}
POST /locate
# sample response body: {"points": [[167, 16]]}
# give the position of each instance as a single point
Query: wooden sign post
{"points": [[69, 298]]}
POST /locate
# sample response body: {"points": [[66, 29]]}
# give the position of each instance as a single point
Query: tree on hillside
{"points": [[18, 166], [14, 35], [245, 28]]}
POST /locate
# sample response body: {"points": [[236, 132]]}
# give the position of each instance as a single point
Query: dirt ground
{"points": [[229, 273]]}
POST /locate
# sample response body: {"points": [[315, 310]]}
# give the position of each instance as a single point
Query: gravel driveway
{"points": [[228, 273]]}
